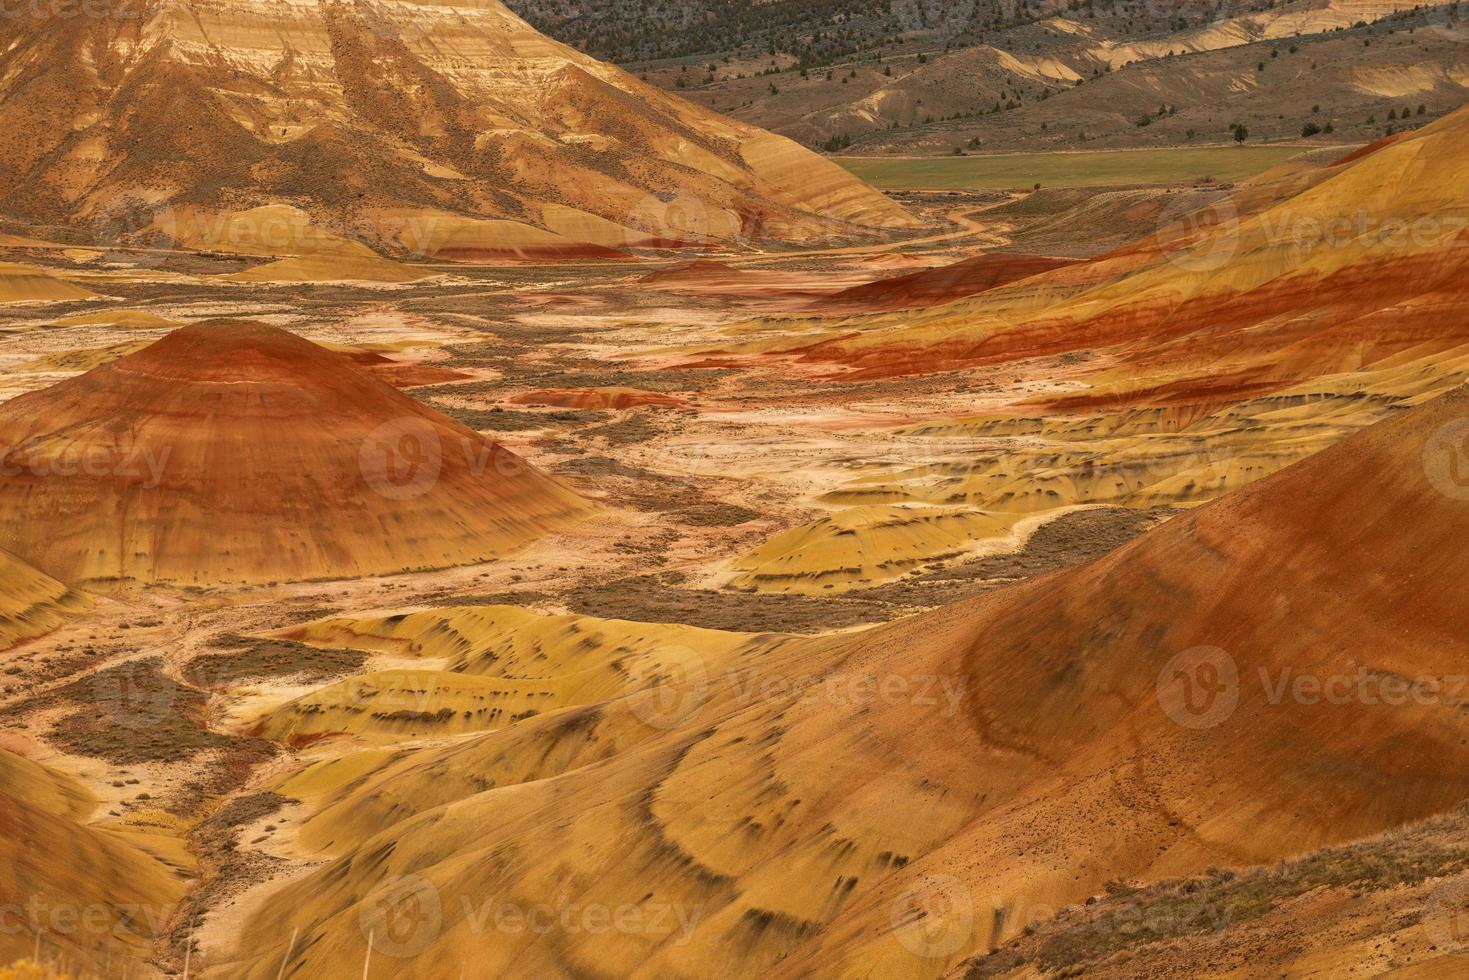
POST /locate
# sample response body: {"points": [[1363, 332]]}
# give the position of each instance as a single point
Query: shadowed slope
{"points": [[237, 452], [885, 804]]}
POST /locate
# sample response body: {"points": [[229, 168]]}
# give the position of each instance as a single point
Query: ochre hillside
{"points": [[439, 129], [892, 802], [115, 889], [232, 451]]}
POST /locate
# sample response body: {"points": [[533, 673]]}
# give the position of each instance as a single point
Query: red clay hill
{"points": [[232, 451], [1270, 674], [930, 287]]}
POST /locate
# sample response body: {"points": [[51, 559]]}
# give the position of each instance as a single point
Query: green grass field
{"points": [[1087, 168]]}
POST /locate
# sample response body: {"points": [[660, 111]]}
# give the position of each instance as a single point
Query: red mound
{"points": [[416, 375], [406, 375], [1344, 565], [597, 398], [699, 272], [232, 451], [931, 287]]}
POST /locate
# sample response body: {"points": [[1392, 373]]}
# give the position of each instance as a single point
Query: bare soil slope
{"points": [[232, 451], [422, 127], [889, 803]]}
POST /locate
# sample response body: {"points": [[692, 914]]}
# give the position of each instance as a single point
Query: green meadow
{"points": [[1087, 168]]}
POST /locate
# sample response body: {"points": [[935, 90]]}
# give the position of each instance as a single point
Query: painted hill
{"points": [[1254, 328], [1244, 295], [450, 129], [23, 284], [891, 802], [931, 287], [231, 451]]}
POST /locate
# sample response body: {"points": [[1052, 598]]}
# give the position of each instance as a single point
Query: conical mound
{"points": [[237, 452]]}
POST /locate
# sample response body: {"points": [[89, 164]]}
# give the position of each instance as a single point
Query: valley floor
{"points": [[751, 496]]}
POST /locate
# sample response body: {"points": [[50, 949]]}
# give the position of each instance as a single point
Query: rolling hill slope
{"points": [[889, 803]]}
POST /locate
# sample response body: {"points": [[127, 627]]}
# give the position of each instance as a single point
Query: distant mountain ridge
{"points": [[926, 78]]}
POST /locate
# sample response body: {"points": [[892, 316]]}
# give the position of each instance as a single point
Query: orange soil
{"points": [[405, 375], [931, 287], [234, 451], [528, 253], [699, 272]]}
